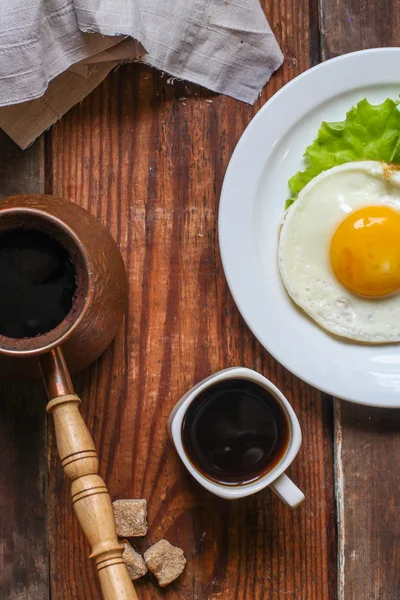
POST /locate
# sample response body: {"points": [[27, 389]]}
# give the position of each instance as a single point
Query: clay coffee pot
{"points": [[35, 231]]}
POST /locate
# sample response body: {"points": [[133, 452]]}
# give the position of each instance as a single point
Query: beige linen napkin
{"points": [[53, 53]]}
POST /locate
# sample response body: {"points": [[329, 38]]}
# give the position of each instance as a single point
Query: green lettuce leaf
{"points": [[368, 133]]}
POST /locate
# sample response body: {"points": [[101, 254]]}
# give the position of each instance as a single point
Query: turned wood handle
{"points": [[90, 497]]}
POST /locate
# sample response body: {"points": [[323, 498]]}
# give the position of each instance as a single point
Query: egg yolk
{"points": [[365, 251]]}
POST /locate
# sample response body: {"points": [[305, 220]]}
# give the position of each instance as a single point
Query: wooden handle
{"points": [[90, 497]]}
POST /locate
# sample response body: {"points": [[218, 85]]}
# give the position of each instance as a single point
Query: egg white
{"points": [[304, 251]]}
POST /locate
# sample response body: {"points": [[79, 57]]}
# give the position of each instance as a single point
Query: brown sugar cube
{"points": [[130, 517], [134, 562], [165, 561]]}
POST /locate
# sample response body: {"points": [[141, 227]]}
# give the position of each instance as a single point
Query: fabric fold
{"points": [[54, 52]]}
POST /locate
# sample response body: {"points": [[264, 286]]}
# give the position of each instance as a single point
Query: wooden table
{"points": [[148, 159]]}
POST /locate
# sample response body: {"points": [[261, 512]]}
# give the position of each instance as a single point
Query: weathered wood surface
{"points": [[367, 440], [24, 555], [350, 25], [148, 159], [368, 446]]}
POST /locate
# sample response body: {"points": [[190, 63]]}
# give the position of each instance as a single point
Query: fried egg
{"points": [[339, 251]]}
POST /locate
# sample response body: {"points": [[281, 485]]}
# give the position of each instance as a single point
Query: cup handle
{"points": [[287, 491]]}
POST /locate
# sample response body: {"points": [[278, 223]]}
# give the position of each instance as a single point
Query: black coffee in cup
{"points": [[235, 432]]}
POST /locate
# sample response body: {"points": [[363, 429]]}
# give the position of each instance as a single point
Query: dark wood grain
{"points": [[24, 559], [367, 440], [148, 159], [349, 25], [368, 444]]}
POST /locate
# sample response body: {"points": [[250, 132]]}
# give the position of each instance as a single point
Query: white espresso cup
{"points": [[275, 478]]}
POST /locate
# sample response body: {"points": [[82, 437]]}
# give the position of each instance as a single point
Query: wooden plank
{"points": [[24, 572], [368, 490], [350, 25], [148, 159], [367, 440]]}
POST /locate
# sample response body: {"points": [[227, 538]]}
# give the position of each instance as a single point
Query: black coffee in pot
{"points": [[37, 283]]}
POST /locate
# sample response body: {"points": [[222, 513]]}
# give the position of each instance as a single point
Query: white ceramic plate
{"points": [[252, 204]]}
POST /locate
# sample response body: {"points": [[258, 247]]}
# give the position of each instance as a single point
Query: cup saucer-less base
{"points": [[252, 206]]}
